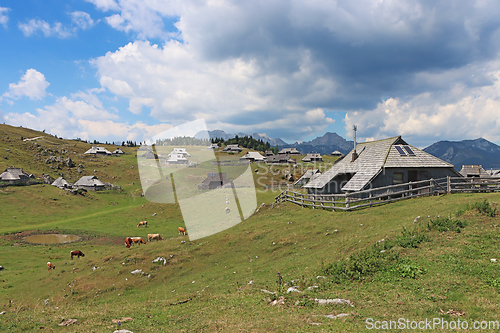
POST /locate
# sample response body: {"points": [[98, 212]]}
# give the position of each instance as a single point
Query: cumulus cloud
{"points": [[84, 116], [32, 85], [460, 113], [105, 5], [260, 64], [177, 87], [82, 19], [3, 16], [35, 25]]}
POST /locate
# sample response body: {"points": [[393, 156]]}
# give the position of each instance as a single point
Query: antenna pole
{"points": [[354, 154], [354, 128]]}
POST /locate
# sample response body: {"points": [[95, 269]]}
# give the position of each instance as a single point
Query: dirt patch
{"points": [[18, 237]]}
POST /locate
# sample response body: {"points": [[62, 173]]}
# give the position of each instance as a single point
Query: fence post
{"points": [[448, 184], [346, 202]]}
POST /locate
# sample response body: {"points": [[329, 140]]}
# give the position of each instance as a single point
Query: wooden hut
{"points": [[98, 151], [232, 149], [312, 158], [380, 163], [215, 180], [14, 176], [61, 183], [90, 183]]}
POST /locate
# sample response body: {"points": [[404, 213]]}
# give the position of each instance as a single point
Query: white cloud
{"points": [[178, 87], [105, 5], [31, 85], [461, 113], [79, 19], [3, 16], [82, 19], [140, 17], [117, 86], [261, 65], [85, 117], [57, 29]]}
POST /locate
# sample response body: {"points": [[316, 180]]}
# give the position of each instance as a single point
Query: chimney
{"points": [[354, 154]]}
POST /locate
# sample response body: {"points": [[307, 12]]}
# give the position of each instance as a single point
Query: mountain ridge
{"points": [[467, 152]]}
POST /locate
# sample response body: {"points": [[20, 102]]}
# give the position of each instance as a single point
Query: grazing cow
{"points": [[138, 240], [182, 231], [144, 223], [227, 210], [128, 242], [77, 253], [50, 266], [154, 237]]}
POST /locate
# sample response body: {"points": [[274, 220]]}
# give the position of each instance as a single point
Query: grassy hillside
{"points": [[215, 283]]}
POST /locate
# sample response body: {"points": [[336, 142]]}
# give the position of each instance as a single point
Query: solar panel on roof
{"points": [[400, 150], [409, 151]]}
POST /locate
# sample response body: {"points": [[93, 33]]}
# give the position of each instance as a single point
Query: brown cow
{"points": [[128, 242], [144, 223], [154, 237], [182, 231], [77, 253], [138, 240], [50, 266]]}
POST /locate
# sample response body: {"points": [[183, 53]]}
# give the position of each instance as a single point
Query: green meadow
{"points": [[385, 262]]}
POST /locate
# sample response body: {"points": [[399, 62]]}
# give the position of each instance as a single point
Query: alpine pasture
{"points": [[384, 261]]}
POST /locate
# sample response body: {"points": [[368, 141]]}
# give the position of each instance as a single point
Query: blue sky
{"points": [[116, 70]]}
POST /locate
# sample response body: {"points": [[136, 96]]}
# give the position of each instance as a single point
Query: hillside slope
{"points": [[385, 261]]}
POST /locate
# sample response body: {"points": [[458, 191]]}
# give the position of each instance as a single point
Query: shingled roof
{"points": [[61, 183], [13, 174], [89, 181], [253, 156], [98, 151], [307, 176], [372, 158]]}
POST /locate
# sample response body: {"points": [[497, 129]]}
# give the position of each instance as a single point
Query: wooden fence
{"points": [[388, 194]]}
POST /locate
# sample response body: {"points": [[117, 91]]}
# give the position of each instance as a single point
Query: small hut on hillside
{"points": [[90, 183], [289, 151], [177, 159], [312, 158], [118, 152], [337, 153], [215, 180], [61, 183], [98, 151], [252, 156], [180, 151], [148, 154], [280, 159], [232, 149], [14, 176], [477, 170]]}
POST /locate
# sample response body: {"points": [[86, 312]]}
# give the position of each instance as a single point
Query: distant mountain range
{"points": [[324, 145], [478, 151], [458, 153]]}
